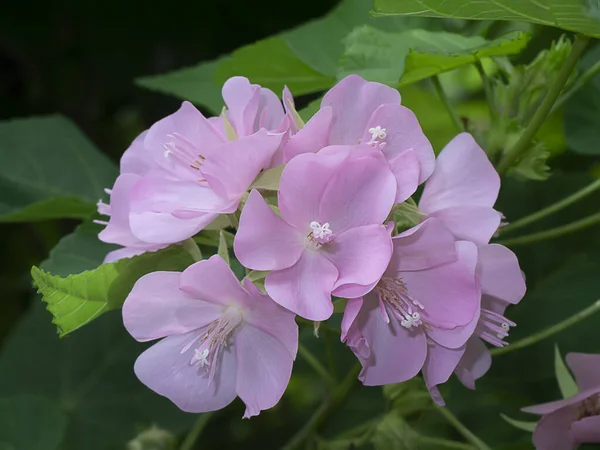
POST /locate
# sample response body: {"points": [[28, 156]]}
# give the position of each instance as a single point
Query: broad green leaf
{"points": [[49, 170], [273, 65], [31, 423], [565, 380], [582, 16], [268, 179], [393, 433], [223, 250], [78, 299], [195, 84], [520, 424]]}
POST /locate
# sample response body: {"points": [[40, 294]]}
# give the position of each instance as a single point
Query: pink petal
{"points": [[353, 101], [448, 292], [587, 430], [136, 159], [312, 138], [156, 308], [264, 241], [353, 307], [426, 245], [289, 106], [166, 370], [547, 408], [242, 100], [360, 255], [264, 369], [471, 223], [118, 230], [213, 281], [270, 110], [305, 288], [439, 365], [586, 368], [500, 275], [455, 337], [164, 228], [397, 354], [464, 176], [474, 364], [128, 252], [354, 290], [553, 431], [403, 132], [406, 168]]}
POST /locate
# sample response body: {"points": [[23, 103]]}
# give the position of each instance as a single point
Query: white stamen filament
{"points": [[393, 294], [181, 150], [377, 134], [493, 327], [321, 231]]}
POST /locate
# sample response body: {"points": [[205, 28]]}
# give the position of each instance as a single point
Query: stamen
{"points": [[320, 234], [377, 134], [493, 327], [590, 407], [393, 294]]}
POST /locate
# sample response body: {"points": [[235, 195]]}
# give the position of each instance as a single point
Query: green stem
{"points": [[556, 328], [192, 437], [467, 434], [311, 324], [552, 208], [192, 248], [444, 443], [487, 87], [316, 364], [553, 232], [522, 145], [579, 83], [446, 101], [326, 410]]}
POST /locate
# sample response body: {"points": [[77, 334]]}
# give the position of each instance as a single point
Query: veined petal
{"points": [[164, 228], [500, 275], [475, 362], [553, 431], [136, 159], [470, 223], [406, 168], [353, 307], [586, 368], [313, 137], [439, 365], [587, 430], [242, 100], [456, 337]]}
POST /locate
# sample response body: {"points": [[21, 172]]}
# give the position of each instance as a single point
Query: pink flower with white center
{"points": [[356, 111], [222, 339], [329, 238], [428, 297], [462, 191], [568, 423], [197, 175]]}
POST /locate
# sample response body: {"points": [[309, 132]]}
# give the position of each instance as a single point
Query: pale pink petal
{"points": [[449, 293], [475, 362], [455, 337], [136, 159], [426, 245], [305, 288], [586, 368], [264, 369], [128, 252], [500, 275], [353, 290], [270, 110], [550, 407], [242, 100], [403, 132], [360, 255], [353, 307], [161, 228], [353, 101], [289, 107], [553, 432], [118, 230], [463, 176], [264, 241], [312, 138], [166, 370], [470, 223], [156, 308], [406, 168], [587, 430], [439, 365]]}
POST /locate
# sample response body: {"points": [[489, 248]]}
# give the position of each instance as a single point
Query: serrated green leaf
{"points": [[49, 170], [268, 179], [78, 299], [223, 250], [520, 424], [581, 16], [565, 380]]}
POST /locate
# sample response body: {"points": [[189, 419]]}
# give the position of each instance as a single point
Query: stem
{"points": [[192, 437], [579, 83], [522, 145], [552, 208], [556, 328], [316, 364], [553, 232], [327, 408], [467, 434], [192, 248], [487, 87], [322, 326], [444, 443], [446, 101]]}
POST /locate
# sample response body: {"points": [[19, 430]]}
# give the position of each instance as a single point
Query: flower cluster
{"points": [[423, 298]]}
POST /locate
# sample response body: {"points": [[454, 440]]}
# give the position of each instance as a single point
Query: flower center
{"points": [[393, 297], [493, 327], [590, 407], [320, 234], [218, 335], [377, 134], [183, 151]]}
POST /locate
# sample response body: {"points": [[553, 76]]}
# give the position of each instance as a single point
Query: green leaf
{"points": [[565, 380], [78, 299], [269, 179], [31, 423], [393, 433], [223, 250], [49, 170], [257, 275], [581, 16], [195, 84], [520, 424], [310, 109]]}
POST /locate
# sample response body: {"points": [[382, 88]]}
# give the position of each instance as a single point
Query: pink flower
{"points": [[354, 112], [462, 191], [197, 174], [221, 339], [575, 420], [428, 297], [329, 238]]}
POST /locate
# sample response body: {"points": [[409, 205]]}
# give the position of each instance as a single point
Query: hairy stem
{"points": [[192, 437], [446, 101], [556, 328], [467, 434], [522, 145], [314, 362]]}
